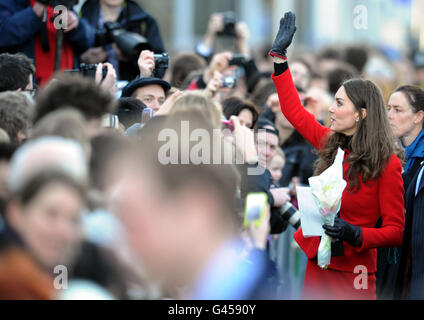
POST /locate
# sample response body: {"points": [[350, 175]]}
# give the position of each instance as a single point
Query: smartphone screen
{"points": [[146, 116], [227, 125], [256, 204]]}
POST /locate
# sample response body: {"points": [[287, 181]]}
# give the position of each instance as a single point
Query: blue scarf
{"points": [[415, 150]]}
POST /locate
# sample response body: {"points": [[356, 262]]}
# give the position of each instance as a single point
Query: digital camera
{"points": [[161, 61], [291, 214], [88, 70], [230, 21], [130, 43]]}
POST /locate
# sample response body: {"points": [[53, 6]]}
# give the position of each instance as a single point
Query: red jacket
{"points": [[381, 197], [45, 61]]}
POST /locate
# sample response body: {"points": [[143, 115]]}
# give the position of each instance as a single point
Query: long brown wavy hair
{"points": [[371, 146]]}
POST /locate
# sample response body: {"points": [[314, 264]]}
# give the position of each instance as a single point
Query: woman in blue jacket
{"points": [[403, 276]]}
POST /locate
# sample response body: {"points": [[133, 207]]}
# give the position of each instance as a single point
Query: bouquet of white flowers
{"points": [[327, 190]]}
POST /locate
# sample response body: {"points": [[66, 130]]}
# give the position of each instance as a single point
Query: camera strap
{"points": [[44, 34]]}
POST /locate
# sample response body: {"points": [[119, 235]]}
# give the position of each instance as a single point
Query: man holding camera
{"points": [[146, 87], [33, 27], [225, 25], [107, 18]]}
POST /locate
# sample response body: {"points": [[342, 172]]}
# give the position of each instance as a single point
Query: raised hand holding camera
{"points": [[108, 81], [146, 63], [242, 39], [220, 62], [215, 25], [161, 65]]}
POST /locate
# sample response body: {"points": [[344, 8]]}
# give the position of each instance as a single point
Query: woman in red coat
{"points": [[359, 125]]}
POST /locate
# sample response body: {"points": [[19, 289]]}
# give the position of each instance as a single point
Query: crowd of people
{"points": [[131, 174]]}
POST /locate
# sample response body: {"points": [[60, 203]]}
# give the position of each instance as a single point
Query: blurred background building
{"points": [[389, 23]]}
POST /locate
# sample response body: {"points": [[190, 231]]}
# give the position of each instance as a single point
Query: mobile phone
{"points": [[256, 204], [228, 125], [146, 115]]}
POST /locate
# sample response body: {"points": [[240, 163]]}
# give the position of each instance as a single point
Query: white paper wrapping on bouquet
{"points": [[310, 218], [327, 189]]}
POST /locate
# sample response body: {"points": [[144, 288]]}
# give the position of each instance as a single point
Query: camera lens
{"points": [[229, 82], [291, 214]]}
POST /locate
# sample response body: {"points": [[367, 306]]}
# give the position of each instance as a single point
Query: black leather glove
{"points": [[284, 36], [344, 231], [337, 247]]}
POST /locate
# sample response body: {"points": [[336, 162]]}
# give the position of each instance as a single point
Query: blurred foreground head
{"points": [[45, 213], [178, 209], [76, 92], [67, 123], [199, 102], [47, 180]]}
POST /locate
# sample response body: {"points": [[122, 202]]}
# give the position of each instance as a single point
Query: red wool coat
{"points": [[381, 197]]}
